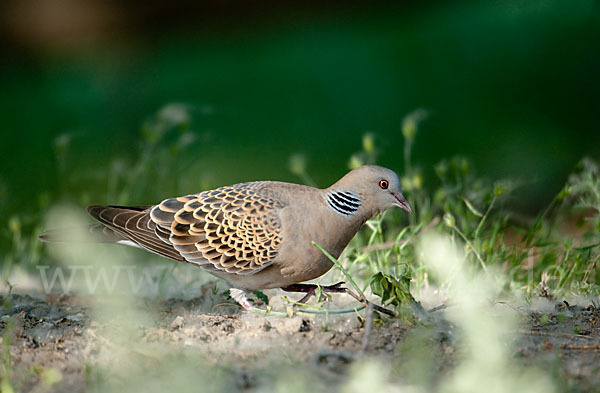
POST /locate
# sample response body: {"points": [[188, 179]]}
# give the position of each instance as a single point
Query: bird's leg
{"points": [[307, 297], [310, 289]]}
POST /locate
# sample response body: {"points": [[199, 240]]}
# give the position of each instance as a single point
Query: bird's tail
{"points": [[94, 233]]}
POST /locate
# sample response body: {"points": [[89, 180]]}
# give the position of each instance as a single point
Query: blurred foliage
{"points": [[512, 85]]}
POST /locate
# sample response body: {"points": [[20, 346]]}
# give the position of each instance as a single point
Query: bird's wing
{"points": [[234, 229], [133, 223]]}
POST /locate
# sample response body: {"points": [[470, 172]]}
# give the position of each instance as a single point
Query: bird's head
{"points": [[378, 188]]}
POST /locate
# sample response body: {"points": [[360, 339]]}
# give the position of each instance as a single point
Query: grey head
{"points": [[371, 189]]}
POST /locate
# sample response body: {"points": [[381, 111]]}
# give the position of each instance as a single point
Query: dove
{"points": [[255, 235]]}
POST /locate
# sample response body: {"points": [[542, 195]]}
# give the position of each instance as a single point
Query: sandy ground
{"points": [[70, 335]]}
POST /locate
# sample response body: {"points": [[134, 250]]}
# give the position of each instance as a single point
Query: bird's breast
{"points": [[300, 228]]}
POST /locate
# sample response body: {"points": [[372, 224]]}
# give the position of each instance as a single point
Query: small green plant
{"points": [[392, 291]]}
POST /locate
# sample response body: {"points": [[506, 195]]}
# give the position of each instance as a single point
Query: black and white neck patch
{"points": [[343, 202]]}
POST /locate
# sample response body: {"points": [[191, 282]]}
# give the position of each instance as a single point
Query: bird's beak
{"points": [[402, 203]]}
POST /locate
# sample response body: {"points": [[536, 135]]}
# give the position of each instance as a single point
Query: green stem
{"points": [[305, 311], [471, 246], [339, 266], [489, 209], [407, 151]]}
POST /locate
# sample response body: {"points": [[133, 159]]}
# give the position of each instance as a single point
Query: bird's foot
{"points": [[337, 287], [311, 289]]}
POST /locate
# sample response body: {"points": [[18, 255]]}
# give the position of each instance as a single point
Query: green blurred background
{"points": [[512, 85]]}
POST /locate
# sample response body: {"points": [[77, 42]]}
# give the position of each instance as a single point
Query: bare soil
{"points": [[67, 334]]}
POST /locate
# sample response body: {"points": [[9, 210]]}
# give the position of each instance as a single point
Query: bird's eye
{"points": [[384, 184]]}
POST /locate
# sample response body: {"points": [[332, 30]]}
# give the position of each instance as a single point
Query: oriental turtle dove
{"points": [[255, 235]]}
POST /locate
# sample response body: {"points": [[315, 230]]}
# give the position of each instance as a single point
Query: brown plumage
{"points": [[255, 235]]}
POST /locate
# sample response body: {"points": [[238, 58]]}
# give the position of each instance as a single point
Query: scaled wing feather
{"points": [[233, 229]]}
